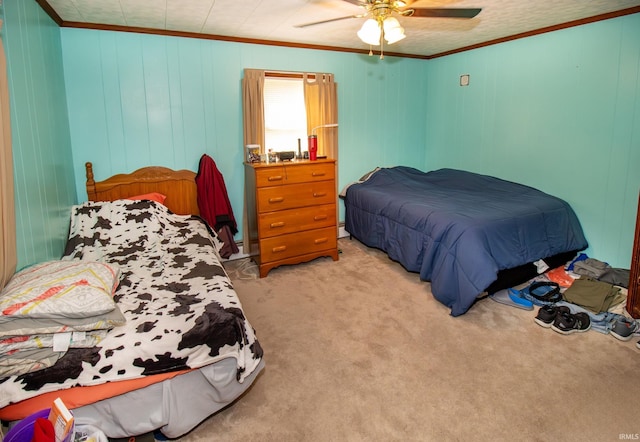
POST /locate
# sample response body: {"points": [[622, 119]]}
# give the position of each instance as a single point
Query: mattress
{"points": [[183, 322], [458, 229], [174, 406]]}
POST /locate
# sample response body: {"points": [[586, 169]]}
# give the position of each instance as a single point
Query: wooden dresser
{"points": [[291, 212]]}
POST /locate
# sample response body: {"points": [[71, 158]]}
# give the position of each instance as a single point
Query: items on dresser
{"points": [[252, 153], [286, 155], [291, 212]]}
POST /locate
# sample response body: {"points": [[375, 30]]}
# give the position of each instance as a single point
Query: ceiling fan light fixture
{"points": [[370, 32], [393, 32]]}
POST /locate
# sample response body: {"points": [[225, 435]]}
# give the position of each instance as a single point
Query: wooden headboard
{"points": [[179, 186]]}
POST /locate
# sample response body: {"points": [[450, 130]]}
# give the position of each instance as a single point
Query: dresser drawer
{"points": [[296, 220], [291, 174], [295, 195], [295, 244]]}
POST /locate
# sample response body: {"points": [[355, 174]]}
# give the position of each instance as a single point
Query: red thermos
{"points": [[313, 147]]}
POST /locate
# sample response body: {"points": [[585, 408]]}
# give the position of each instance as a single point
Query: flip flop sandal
{"points": [[505, 297]]}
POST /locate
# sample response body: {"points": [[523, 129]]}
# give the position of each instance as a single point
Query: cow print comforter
{"points": [[180, 306]]}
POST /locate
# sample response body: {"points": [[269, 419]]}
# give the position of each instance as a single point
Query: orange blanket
{"points": [[78, 396]]}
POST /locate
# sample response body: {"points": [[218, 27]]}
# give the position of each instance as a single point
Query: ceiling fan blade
{"points": [[304, 25], [445, 12], [357, 2]]}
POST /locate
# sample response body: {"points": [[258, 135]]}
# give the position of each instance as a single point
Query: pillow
{"points": [[153, 196], [363, 178], [60, 289], [30, 326], [367, 175]]}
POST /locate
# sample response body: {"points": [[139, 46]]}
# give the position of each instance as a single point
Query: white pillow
{"points": [[60, 289], [29, 326]]}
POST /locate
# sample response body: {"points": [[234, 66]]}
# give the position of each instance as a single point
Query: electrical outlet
{"points": [[464, 80]]}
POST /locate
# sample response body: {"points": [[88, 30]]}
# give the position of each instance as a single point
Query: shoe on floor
{"points": [[638, 344], [548, 313], [567, 323], [624, 329], [506, 297]]}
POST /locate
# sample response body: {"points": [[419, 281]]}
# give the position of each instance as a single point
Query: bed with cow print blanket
{"points": [[180, 307]]}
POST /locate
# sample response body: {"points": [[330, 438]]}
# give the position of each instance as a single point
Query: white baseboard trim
{"points": [[238, 255], [342, 233]]}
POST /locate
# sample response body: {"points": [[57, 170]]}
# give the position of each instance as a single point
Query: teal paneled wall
{"points": [[558, 111], [137, 100], [43, 171]]}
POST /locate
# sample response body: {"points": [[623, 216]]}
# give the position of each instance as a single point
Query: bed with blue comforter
{"points": [[459, 229]]}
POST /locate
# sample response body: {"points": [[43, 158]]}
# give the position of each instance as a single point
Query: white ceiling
{"points": [[276, 20]]}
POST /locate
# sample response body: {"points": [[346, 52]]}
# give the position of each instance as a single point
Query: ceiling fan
{"points": [[376, 8], [381, 25]]}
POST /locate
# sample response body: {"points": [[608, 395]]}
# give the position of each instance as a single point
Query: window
{"points": [[303, 101], [285, 117]]}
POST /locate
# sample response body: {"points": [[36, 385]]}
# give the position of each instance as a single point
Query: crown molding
{"points": [[44, 4]]}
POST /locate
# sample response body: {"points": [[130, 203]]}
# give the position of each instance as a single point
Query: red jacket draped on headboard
{"points": [[213, 202]]}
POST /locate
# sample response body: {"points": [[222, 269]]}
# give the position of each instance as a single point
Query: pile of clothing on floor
{"points": [[586, 294]]}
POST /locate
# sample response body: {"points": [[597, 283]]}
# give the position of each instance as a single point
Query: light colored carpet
{"points": [[359, 350]]}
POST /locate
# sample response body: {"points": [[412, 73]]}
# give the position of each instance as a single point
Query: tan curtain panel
{"points": [[321, 102], [253, 126], [7, 207], [253, 107]]}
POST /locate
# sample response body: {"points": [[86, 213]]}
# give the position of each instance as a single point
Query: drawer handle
{"points": [[319, 217], [278, 224], [277, 199], [319, 194], [318, 173], [275, 178], [279, 249], [320, 240]]}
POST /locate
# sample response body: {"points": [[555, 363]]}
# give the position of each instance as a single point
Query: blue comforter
{"points": [[457, 228]]}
